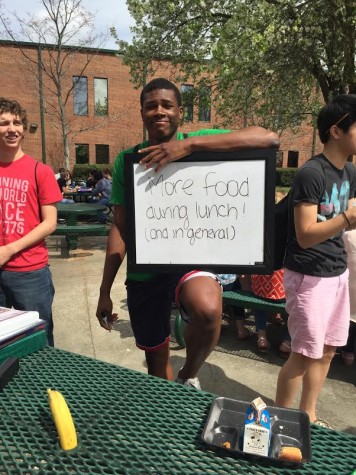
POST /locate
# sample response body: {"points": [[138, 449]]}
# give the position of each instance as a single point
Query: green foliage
{"points": [[285, 177], [266, 60], [100, 108], [81, 171]]}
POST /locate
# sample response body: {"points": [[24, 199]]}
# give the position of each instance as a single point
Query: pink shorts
{"points": [[185, 278], [318, 311]]}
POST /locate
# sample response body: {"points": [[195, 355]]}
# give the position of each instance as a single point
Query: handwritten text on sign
{"points": [[202, 212]]}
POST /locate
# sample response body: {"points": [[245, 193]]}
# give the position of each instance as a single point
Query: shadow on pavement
{"points": [[211, 374]]}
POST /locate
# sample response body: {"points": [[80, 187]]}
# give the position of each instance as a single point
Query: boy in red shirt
{"points": [[28, 214]]}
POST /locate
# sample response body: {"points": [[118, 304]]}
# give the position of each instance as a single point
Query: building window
{"points": [[205, 105], [293, 158], [80, 91], [188, 101], [100, 96], [102, 153], [81, 153]]}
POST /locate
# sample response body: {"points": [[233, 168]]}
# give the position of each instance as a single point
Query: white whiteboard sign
{"points": [[199, 213]]}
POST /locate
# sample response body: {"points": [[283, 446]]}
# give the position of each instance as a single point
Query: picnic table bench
{"points": [[72, 229], [246, 299], [236, 298], [72, 233]]}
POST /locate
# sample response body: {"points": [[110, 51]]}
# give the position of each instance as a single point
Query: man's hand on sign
{"points": [[159, 155]]}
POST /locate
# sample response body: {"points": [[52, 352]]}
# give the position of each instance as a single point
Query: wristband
{"points": [[347, 219]]}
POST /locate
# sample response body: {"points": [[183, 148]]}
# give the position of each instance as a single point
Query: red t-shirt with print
{"points": [[24, 187]]}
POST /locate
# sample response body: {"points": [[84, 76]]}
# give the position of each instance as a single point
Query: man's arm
{"points": [[351, 215], [44, 229], [310, 232], [250, 137], [115, 254], [98, 188]]}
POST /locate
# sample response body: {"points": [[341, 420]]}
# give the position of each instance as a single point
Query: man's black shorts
{"points": [[150, 304]]}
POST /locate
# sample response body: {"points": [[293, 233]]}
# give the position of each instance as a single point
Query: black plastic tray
{"points": [[225, 423]]}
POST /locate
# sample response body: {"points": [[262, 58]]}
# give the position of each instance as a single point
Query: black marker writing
{"points": [[231, 188], [170, 188], [168, 212], [216, 211]]}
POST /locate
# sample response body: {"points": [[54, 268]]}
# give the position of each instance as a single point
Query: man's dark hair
{"points": [[61, 170], [160, 83], [8, 105], [97, 175], [340, 111]]}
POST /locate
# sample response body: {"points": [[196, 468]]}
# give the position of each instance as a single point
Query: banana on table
{"points": [[63, 420]]}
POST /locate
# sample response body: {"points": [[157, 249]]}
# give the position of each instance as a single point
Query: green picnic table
{"points": [[72, 229], [78, 196], [72, 211], [129, 423]]}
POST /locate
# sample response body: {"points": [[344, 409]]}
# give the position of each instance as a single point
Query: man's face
{"points": [[348, 141], [11, 131], [161, 115]]}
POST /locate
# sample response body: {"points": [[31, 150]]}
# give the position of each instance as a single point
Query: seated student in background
{"points": [[150, 295], [316, 278], [269, 287], [90, 183], [69, 182], [232, 282], [58, 174], [348, 351], [97, 175], [101, 192], [102, 189], [64, 186]]}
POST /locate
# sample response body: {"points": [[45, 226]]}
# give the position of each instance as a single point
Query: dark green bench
{"points": [[73, 232], [246, 299], [236, 298]]}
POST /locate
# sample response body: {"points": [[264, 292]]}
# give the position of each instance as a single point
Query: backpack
{"points": [[281, 234], [282, 228], [281, 221]]}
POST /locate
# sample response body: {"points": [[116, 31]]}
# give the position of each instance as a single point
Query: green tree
{"points": [[268, 60], [62, 24]]}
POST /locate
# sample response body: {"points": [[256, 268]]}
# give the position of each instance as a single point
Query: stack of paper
{"points": [[15, 322]]}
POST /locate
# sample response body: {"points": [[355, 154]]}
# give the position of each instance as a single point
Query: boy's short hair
{"points": [[340, 111], [160, 83], [9, 105]]}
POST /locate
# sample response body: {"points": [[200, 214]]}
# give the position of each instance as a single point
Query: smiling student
{"points": [[28, 214], [316, 278], [149, 296]]}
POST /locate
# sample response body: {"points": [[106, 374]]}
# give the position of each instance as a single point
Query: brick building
{"points": [[103, 107]]}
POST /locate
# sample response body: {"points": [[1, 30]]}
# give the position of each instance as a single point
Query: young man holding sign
{"points": [[150, 295]]}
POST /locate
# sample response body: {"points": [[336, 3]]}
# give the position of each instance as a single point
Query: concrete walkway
{"points": [[77, 279]]}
